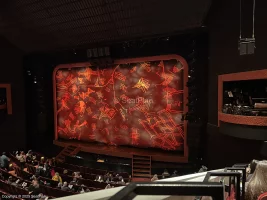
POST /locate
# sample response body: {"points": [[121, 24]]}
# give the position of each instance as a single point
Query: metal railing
{"points": [[214, 190]]}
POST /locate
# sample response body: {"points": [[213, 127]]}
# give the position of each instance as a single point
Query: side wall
{"points": [[12, 128], [224, 58]]}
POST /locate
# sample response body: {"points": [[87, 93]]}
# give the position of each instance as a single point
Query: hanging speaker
{"points": [[246, 46]]}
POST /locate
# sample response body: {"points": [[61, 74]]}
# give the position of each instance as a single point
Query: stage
{"points": [[126, 152]]}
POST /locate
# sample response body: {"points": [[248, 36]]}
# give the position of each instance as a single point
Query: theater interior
{"points": [[143, 99]]}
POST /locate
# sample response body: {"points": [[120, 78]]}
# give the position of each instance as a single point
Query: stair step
{"points": [[141, 175], [141, 166], [143, 162], [139, 158], [142, 170]]}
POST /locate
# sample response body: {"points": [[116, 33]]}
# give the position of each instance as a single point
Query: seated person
{"points": [[47, 170], [16, 183], [155, 178], [10, 180], [22, 159], [29, 157], [174, 174], [109, 178], [39, 170], [121, 181], [42, 197], [4, 161], [99, 178], [34, 188], [65, 187], [77, 175], [74, 181], [165, 174], [59, 185], [57, 178]]}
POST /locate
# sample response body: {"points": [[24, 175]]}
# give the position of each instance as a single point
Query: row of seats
{"points": [[91, 176], [87, 170]]}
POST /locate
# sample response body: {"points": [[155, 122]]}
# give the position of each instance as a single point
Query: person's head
{"points": [[65, 171], [22, 153], [155, 176], [57, 174], [174, 172], [65, 184], [108, 186], [30, 152], [4, 153], [35, 182], [257, 183], [10, 178]]}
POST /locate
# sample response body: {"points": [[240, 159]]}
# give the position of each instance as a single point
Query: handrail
{"points": [[237, 175], [243, 169], [215, 190]]}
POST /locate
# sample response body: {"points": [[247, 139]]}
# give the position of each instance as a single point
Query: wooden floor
{"points": [[126, 152]]}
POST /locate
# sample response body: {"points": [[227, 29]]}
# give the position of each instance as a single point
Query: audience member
{"points": [[4, 161], [174, 174], [16, 183], [59, 185], [77, 175], [99, 178], [109, 178], [108, 186], [74, 181], [22, 159], [34, 188], [42, 197], [52, 172], [39, 170], [65, 187], [65, 172], [47, 170], [165, 174], [57, 178], [203, 169], [29, 157], [121, 181], [10, 180], [155, 178]]}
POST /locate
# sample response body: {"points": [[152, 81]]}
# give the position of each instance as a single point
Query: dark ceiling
{"points": [[44, 25]]}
